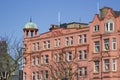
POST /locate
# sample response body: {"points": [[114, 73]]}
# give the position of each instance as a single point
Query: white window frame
{"points": [[85, 54], [67, 41], [114, 44], [44, 45], [80, 54], [33, 75], [58, 42], [114, 65], [42, 59], [38, 46], [46, 74], [96, 28], [37, 76], [106, 65], [106, 44], [80, 39], [69, 56], [96, 66], [71, 40], [37, 60], [33, 61], [80, 71], [24, 75], [46, 59], [97, 46], [85, 38], [48, 44], [85, 71], [108, 26]]}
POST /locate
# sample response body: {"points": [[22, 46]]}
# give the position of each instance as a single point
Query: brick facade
{"points": [[95, 46]]}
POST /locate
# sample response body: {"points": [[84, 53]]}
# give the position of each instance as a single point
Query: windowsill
{"points": [[114, 71], [96, 52], [106, 71], [96, 73]]}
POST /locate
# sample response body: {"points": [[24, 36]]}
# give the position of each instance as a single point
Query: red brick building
{"points": [[95, 46]]}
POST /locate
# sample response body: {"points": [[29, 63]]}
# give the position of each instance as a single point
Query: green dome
{"points": [[30, 25]]}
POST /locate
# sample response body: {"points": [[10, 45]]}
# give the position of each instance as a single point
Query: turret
{"points": [[30, 29]]}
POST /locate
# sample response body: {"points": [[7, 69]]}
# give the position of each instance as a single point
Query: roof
{"points": [[30, 25], [117, 13]]}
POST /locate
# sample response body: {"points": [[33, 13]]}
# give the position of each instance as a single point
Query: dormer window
{"points": [[96, 28], [109, 26]]}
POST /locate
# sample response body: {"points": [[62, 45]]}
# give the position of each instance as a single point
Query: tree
{"points": [[10, 57], [60, 68]]}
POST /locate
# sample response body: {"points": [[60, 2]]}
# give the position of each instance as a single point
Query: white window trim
{"points": [[80, 38], [95, 67], [114, 64], [68, 56], [96, 46], [71, 40], [104, 66], [113, 44], [109, 21]]}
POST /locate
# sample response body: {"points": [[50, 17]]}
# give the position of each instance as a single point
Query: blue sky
{"points": [[14, 14]]}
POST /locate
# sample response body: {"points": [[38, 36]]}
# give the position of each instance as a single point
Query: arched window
{"points": [[109, 26]]}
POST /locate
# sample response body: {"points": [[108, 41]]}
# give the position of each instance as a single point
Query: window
{"points": [[80, 39], [58, 42], [46, 59], [46, 74], [80, 54], [48, 44], [33, 61], [114, 65], [37, 60], [33, 75], [96, 66], [96, 28], [106, 44], [42, 59], [85, 54], [85, 38], [44, 44], [80, 71], [106, 65], [38, 46], [85, 71], [69, 56], [37, 76], [24, 76], [67, 41], [97, 46], [109, 26], [71, 40], [114, 43], [70, 72]]}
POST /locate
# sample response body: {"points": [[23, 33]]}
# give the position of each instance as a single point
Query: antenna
{"points": [[98, 6], [59, 22], [30, 19]]}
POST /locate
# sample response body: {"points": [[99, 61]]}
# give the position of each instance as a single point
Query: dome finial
{"points": [[30, 19]]}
